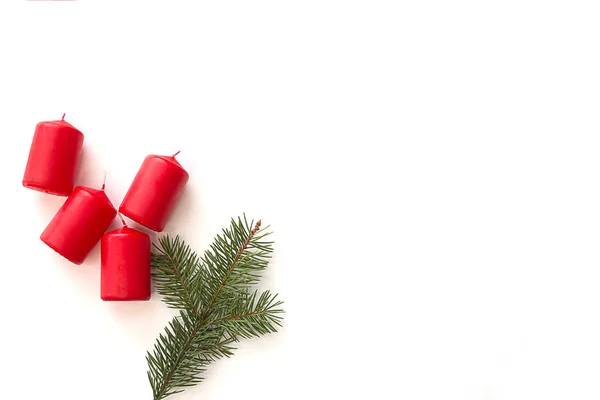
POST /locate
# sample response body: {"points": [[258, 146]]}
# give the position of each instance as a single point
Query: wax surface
{"points": [[53, 158], [79, 223], [125, 265], [154, 192]]}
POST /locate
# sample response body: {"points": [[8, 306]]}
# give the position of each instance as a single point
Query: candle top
{"points": [[59, 122], [125, 230], [99, 194], [170, 159]]}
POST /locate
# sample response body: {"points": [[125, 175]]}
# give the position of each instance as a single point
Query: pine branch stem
{"points": [[239, 316], [237, 258]]}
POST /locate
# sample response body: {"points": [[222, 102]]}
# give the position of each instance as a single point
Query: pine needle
{"points": [[217, 305]]}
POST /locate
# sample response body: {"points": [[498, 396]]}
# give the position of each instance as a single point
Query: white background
{"points": [[430, 171]]}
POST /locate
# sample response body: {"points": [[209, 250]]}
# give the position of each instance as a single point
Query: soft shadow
{"points": [[188, 212], [85, 278], [136, 311], [143, 320], [47, 205], [90, 171]]}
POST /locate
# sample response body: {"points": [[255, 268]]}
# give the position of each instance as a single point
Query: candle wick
{"points": [[63, 117], [104, 182], [122, 220], [176, 153]]}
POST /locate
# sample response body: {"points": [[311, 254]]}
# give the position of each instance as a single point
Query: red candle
{"points": [[53, 158], [125, 265], [79, 224], [155, 191]]}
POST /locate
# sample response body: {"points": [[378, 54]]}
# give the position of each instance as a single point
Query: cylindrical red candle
{"points": [[155, 191], [53, 158], [79, 224], [125, 265]]}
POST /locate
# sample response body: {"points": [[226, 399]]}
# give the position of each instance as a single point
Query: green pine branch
{"points": [[216, 302]]}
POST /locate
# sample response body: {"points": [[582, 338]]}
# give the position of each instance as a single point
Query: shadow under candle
{"points": [[187, 215], [90, 172], [48, 205]]}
